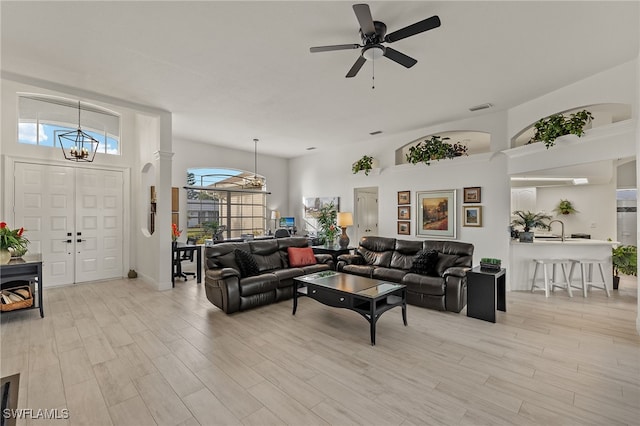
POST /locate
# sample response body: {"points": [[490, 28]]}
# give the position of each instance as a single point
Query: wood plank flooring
{"points": [[121, 353]]}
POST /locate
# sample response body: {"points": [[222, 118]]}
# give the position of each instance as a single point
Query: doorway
{"points": [[74, 217], [366, 212]]}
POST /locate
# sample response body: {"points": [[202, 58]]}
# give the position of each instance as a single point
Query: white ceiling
{"points": [[233, 71]]}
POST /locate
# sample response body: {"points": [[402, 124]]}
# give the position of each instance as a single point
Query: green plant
{"points": [[530, 220], [365, 163], [434, 148], [625, 260], [491, 260], [327, 217], [13, 239], [556, 125], [565, 207], [214, 228]]}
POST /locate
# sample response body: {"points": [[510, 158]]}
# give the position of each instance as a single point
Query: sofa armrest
{"points": [[351, 259], [222, 287], [220, 274], [456, 271], [455, 290], [323, 258]]}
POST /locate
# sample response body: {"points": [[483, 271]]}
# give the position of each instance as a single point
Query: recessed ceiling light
{"points": [[311, 148], [580, 181], [377, 132], [479, 107]]}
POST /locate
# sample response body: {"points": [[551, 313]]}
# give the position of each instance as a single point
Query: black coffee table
{"points": [[368, 297]]}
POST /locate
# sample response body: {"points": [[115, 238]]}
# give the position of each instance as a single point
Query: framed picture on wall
{"points": [[472, 195], [404, 197], [404, 228], [436, 214], [472, 216], [404, 213]]}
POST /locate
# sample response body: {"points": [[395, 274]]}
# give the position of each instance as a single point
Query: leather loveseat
{"points": [[390, 259], [230, 290]]}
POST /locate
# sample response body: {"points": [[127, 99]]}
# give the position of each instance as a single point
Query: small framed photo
{"points": [[404, 228], [404, 197], [472, 216], [404, 213], [472, 195]]}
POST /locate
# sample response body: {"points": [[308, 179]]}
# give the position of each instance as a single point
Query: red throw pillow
{"points": [[301, 256]]}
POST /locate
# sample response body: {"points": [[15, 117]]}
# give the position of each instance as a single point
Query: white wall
{"points": [[596, 205]]}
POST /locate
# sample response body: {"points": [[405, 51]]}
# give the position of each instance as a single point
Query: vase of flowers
{"points": [[175, 232], [12, 243]]}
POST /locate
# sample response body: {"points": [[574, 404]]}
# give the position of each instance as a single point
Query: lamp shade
{"points": [[345, 219], [275, 214]]}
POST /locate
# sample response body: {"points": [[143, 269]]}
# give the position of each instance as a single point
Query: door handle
{"points": [[69, 241], [79, 240]]}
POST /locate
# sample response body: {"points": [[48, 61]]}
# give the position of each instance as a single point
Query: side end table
{"points": [[486, 292]]}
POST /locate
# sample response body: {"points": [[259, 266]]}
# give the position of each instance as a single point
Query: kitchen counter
{"points": [[522, 255]]}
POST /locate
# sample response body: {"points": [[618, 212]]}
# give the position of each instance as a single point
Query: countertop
{"points": [[567, 241]]}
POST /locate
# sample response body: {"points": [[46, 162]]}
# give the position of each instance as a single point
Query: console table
{"points": [[485, 293], [28, 268]]}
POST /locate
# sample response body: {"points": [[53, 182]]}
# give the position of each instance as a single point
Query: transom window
{"points": [[40, 116]]}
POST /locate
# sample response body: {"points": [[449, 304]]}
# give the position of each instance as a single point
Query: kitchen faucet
{"points": [[562, 229]]}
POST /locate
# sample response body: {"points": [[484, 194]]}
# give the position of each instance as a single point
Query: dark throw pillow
{"points": [[424, 263], [246, 263]]}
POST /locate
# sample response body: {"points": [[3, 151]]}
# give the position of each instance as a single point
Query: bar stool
{"points": [[551, 283], [586, 275]]}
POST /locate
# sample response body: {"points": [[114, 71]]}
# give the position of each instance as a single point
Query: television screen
{"points": [[287, 222]]}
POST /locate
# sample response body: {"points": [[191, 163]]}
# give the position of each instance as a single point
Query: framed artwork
{"points": [[436, 214], [472, 195], [404, 197], [404, 213], [312, 205], [472, 216], [404, 228]]}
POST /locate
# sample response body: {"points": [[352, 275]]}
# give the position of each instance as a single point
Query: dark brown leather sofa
{"points": [[228, 291], [390, 259]]}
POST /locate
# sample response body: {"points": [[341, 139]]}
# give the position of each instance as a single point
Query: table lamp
{"points": [[344, 219], [275, 215]]}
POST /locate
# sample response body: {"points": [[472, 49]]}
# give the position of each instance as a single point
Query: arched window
{"points": [[232, 199], [39, 116]]}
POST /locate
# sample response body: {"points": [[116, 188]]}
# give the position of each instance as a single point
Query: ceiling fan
{"points": [[373, 34]]}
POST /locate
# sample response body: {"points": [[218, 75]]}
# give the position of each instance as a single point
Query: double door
{"points": [[74, 217]]}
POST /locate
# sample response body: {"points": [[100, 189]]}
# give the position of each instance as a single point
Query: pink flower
{"points": [[20, 232], [3, 225]]}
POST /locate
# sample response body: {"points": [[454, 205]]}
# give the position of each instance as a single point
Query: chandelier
{"points": [[255, 181], [77, 145]]}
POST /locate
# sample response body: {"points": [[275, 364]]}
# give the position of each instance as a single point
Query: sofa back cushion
{"points": [[285, 243], [404, 254], [377, 251], [266, 254], [301, 256], [223, 256], [463, 253]]}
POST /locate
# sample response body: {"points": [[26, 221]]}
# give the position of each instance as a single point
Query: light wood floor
{"points": [[122, 353]]}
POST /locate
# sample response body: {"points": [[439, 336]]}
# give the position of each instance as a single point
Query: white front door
{"points": [[74, 218]]}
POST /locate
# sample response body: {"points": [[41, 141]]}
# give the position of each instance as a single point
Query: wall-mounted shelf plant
{"points": [[364, 164], [565, 207], [435, 148], [547, 130]]}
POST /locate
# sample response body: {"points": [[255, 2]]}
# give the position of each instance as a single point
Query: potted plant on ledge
{"points": [[625, 261], [529, 220], [547, 130], [565, 207], [364, 164], [434, 148]]}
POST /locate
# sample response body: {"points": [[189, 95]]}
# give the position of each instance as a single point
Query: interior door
{"points": [[74, 217], [44, 206], [366, 212], [98, 233]]}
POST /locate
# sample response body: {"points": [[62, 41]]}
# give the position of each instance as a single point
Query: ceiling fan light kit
{"points": [[373, 34]]}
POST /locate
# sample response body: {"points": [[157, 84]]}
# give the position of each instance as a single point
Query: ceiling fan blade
{"points": [[334, 47], [400, 58], [356, 67], [417, 28], [363, 13]]}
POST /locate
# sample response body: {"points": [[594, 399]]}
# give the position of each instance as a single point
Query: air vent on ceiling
{"points": [[377, 132], [479, 107]]}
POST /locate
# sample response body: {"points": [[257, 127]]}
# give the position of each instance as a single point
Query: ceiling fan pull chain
{"points": [[373, 73]]}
